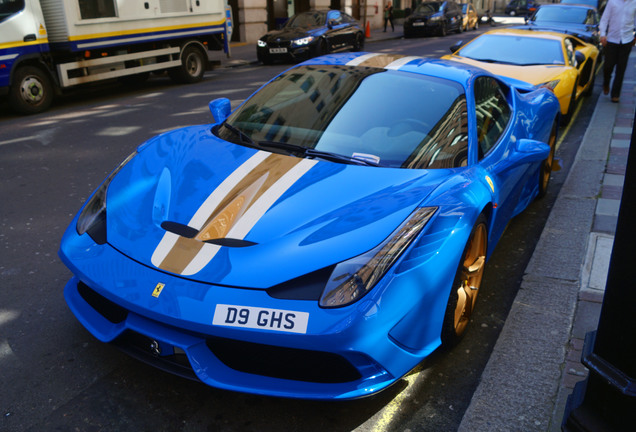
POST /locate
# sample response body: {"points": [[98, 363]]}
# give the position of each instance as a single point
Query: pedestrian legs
{"points": [[616, 56], [621, 66]]}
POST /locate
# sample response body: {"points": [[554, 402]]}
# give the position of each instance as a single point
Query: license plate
{"points": [[418, 24], [260, 318], [277, 50]]}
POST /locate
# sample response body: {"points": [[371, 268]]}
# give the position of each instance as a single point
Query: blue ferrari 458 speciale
{"points": [[322, 238]]}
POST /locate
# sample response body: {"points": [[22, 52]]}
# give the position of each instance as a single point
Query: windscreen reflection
{"points": [[392, 118], [515, 50]]}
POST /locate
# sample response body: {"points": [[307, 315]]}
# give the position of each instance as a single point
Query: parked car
{"points": [[598, 4], [434, 17], [320, 240], [470, 18], [311, 34], [520, 7], [578, 20], [563, 63]]}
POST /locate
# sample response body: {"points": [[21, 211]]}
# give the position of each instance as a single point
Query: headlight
{"points": [[261, 43], [92, 219], [550, 85], [303, 41], [352, 279], [437, 18]]}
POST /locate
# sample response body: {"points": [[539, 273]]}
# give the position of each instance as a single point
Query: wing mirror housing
{"points": [[528, 151], [456, 47], [580, 58], [220, 109]]}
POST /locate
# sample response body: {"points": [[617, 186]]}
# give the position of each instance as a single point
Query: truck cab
{"points": [[23, 41]]}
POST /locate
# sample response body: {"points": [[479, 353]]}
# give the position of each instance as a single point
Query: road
{"points": [[56, 377]]}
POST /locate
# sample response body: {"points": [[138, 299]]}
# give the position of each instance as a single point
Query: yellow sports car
{"points": [[563, 63]]}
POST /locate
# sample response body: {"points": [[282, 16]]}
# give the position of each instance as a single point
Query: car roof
{"points": [[529, 33], [567, 5], [447, 69]]}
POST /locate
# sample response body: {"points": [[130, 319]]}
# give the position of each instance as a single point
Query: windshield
{"points": [[10, 7], [593, 3], [356, 112], [573, 15], [515, 50], [429, 7], [306, 19]]}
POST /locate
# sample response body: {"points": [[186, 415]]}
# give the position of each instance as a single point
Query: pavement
{"points": [[537, 358]]}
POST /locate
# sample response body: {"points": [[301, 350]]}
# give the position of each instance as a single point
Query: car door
{"points": [[507, 181], [337, 30]]}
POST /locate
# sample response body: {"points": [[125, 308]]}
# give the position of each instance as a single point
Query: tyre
{"points": [[358, 45], [31, 91], [193, 64], [321, 48], [546, 165], [463, 296], [513, 13], [476, 26], [590, 88], [442, 29]]}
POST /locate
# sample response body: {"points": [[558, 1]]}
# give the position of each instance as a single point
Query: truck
{"points": [[49, 46]]}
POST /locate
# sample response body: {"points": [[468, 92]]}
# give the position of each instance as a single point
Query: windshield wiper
{"points": [[335, 157], [487, 60], [291, 148], [298, 150], [245, 139]]}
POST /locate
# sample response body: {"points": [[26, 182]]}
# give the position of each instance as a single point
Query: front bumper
{"points": [[344, 353], [423, 27], [290, 54]]}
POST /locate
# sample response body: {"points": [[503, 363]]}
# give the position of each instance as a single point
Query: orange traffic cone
{"points": [[367, 33]]}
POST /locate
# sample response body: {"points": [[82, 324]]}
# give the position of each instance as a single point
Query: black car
{"points": [[578, 20], [310, 34], [434, 17], [520, 8]]}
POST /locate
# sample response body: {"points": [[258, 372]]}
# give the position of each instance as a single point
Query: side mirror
{"points": [[456, 47], [528, 151], [220, 109], [580, 58]]}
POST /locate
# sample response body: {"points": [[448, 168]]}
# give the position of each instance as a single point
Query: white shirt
{"points": [[618, 21]]}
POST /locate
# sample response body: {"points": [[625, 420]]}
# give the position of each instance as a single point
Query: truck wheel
{"points": [[31, 91], [193, 64]]}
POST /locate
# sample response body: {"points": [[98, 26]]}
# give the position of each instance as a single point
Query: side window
{"points": [[91, 9], [569, 50], [493, 113]]}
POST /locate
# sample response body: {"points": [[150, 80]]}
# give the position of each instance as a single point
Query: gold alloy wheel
{"points": [[472, 271], [547, 164]]}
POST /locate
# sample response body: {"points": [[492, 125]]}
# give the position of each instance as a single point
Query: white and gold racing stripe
{"points": [[386, 61], [231, 210]]}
